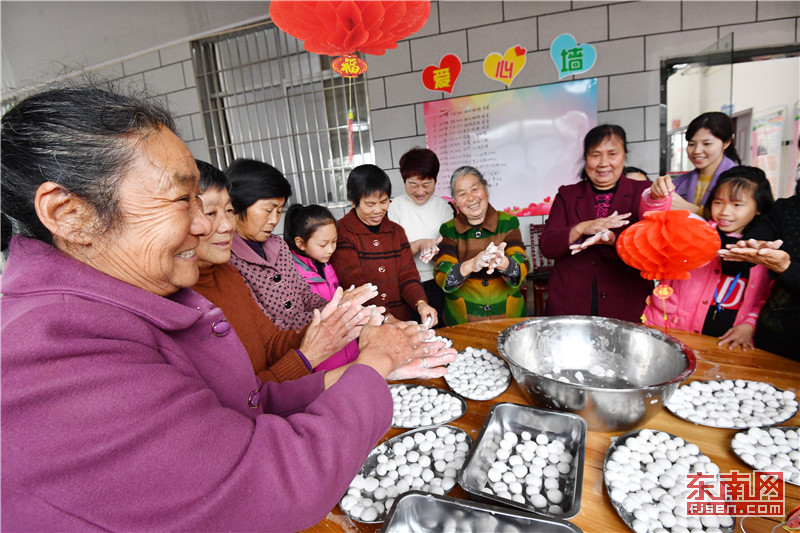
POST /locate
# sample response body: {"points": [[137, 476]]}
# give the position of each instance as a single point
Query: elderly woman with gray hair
{"points": [[129, 403], [481, 261]]}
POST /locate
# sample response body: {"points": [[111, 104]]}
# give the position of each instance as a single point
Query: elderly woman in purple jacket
{"points": [[128, 401], [711, 150]]}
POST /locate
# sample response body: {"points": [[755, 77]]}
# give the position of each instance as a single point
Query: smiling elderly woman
{"points": [[481, 261], [128, 404]]}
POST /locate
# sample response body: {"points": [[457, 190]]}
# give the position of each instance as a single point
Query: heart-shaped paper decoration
{"points": [[443, 77], [504, 69], [570, 57]]}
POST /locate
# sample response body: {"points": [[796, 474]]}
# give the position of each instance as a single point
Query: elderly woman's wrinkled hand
{"points": [[390, 346], [765, 253], [599, 225], [360, 294], [603, 237], [325, 337]]}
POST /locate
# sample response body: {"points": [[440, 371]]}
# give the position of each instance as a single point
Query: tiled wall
{"points": [[168, 74], [631, 39]]}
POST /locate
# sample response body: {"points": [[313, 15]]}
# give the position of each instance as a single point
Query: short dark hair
{"points": [[419, 162], [211, 177], [720, 125], [366, 180], [302, 221], [597, 135], [749, 180], [252, 181], [84, 138], [633, 169]]}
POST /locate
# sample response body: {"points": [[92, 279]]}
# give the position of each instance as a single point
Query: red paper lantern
{"points": [[337, 27], [668, 244]]}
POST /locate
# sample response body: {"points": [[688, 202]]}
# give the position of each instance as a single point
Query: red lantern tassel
{"points": [[350, 135]]}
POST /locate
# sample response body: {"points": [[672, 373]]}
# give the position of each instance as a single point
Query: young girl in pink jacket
{"points": [[722, 298], [310, 232]]}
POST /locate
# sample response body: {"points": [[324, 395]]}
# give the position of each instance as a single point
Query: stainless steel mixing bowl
{"points": [[615, 374]]}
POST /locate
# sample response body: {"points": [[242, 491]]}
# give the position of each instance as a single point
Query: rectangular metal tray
{"points": [[566, 427], [421, 512]]}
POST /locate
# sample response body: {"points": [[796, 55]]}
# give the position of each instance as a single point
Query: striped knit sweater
{"points": [[481, 296]]}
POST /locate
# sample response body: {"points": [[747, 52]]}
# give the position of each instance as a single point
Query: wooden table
{"points": [[596, 513]]}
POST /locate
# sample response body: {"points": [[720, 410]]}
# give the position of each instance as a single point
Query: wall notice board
{"points": [[526, 142]]}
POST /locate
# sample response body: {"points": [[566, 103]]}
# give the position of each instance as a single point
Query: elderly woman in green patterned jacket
{"points": [[481, 261]]}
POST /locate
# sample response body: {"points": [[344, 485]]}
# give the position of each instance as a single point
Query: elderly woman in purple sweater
{"points": [[128, 401]]}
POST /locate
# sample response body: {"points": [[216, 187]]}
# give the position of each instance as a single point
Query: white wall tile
{"points": [[429, 50], [183, 102], [393, 122], [474, 81], [456, 15], [680, 44], [775, 10], [392, 62], [198, 131], [631, 120], [602, 93], [377, 93], [432, 26], [702, 14], [184, 125], [578, 4], [616, 57], [401, 146], [420, 111], [406, 89], [652, 122], [110, 72], [500, 37], [383, 154], [521, 9], [758, 34], [189, 79], [176, 53], [199, 149], [141, 63], [133, 83], [644, 155], [642, 18], [586, 25], [165, 79], [633, 90], [397, 181]]}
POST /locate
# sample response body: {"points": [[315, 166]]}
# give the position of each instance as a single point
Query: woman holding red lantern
{"points": [[589, 278]]}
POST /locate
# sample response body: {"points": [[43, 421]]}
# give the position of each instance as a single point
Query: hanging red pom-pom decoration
{"points": [[337, 27], [668, 244]]}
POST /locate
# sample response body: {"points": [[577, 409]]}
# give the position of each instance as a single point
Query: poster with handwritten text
{"points": [[527, 142]]}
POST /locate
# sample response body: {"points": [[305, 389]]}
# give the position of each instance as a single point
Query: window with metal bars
{"points": [[264, 97]]}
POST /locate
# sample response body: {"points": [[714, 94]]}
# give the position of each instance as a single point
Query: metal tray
{"points": [[440, 391], [710, 398], [784, 429], [626, 516], [386, 448], [466, 393], [420, 512], [566, 427]]}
